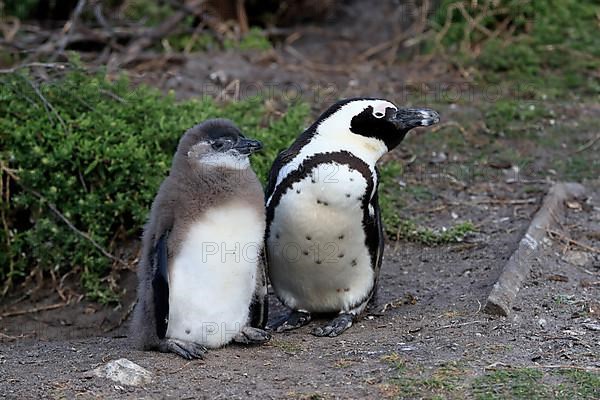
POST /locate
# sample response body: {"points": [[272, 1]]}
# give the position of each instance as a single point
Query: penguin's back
{"points": [[213, 275]]}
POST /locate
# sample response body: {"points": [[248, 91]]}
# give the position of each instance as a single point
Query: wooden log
{"points": [[517, 268]]}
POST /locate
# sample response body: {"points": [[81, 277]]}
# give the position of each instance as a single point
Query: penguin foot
{"points": [[187, 350], [293, 320], [250, 335], [336, 326]]}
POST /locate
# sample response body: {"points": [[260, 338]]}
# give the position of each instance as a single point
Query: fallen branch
{"points": [[59, 66], [457, 325], [69, 28], [517, 268], [588, 144], [33, 310], [568, 241]]}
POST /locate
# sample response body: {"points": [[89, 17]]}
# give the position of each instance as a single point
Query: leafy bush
{"points": [[97, 151]]}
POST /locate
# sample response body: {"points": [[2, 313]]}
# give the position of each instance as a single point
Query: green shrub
{"points": [[98, 151], [552, 43]]}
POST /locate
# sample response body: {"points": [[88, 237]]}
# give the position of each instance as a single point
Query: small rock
{"points": [[124, 372], [578, 258], [542, 323]]}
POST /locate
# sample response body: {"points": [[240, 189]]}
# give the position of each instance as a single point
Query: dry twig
{"points": [[568, 241], [588, 144], [457, 325], [33, 310]]}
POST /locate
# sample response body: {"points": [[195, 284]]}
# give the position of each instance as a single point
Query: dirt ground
{"points": [[426, 336]]}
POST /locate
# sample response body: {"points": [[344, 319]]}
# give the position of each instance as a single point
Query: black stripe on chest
{"points": [[339, 157]]}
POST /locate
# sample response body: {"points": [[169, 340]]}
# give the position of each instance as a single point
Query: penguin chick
{"points": [[324, 238], [201, 278]]}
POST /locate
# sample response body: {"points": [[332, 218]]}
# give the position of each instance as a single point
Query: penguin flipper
{"points": [[376, 239], [160, 285], [282, 159]]}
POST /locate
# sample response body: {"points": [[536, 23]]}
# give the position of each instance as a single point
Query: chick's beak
{"points": [[408, 118], [247, 146]]}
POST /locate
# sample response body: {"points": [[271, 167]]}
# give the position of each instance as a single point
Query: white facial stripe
{"points": [[380, 107]]}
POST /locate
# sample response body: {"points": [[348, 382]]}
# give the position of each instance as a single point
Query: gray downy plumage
{"points": [[210, 171]]}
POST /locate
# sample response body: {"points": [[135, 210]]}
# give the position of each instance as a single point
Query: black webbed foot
{"points": [[187, 350], [293, 320], [336, 326], [250, 335]]}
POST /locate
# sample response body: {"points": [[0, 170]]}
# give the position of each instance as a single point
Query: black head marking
{"points": [[367, 124], [392, 126]]}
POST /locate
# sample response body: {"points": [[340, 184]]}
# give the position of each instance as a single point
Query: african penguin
{"points": [[201, 278], [324, 238]]}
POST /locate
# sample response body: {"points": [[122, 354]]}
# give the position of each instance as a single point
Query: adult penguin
{"points": [[324, 238]]}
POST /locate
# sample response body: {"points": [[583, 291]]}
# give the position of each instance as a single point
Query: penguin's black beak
{"points": [[408, 118], [247, 146]]}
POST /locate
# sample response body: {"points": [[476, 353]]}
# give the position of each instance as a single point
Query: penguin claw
{"points": [[250, 335], [293, 320], [187, 350], [334, 327]]}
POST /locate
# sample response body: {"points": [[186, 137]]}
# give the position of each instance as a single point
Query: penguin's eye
{"points": [[378, 114], [222, 144]]}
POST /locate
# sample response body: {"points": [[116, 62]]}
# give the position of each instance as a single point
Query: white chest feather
{"points": [[213, 277], [318, 260]]}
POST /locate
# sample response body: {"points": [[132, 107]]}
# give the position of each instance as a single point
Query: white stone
{"points": [[124, 372]]}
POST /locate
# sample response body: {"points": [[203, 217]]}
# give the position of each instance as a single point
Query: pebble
{"points": [[124, 372]]}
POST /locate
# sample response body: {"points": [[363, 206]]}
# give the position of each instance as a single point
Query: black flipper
{"points": [[160, 284]]}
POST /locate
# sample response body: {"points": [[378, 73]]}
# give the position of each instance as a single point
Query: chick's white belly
{"points": [[318, 260], [213, 277]]}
